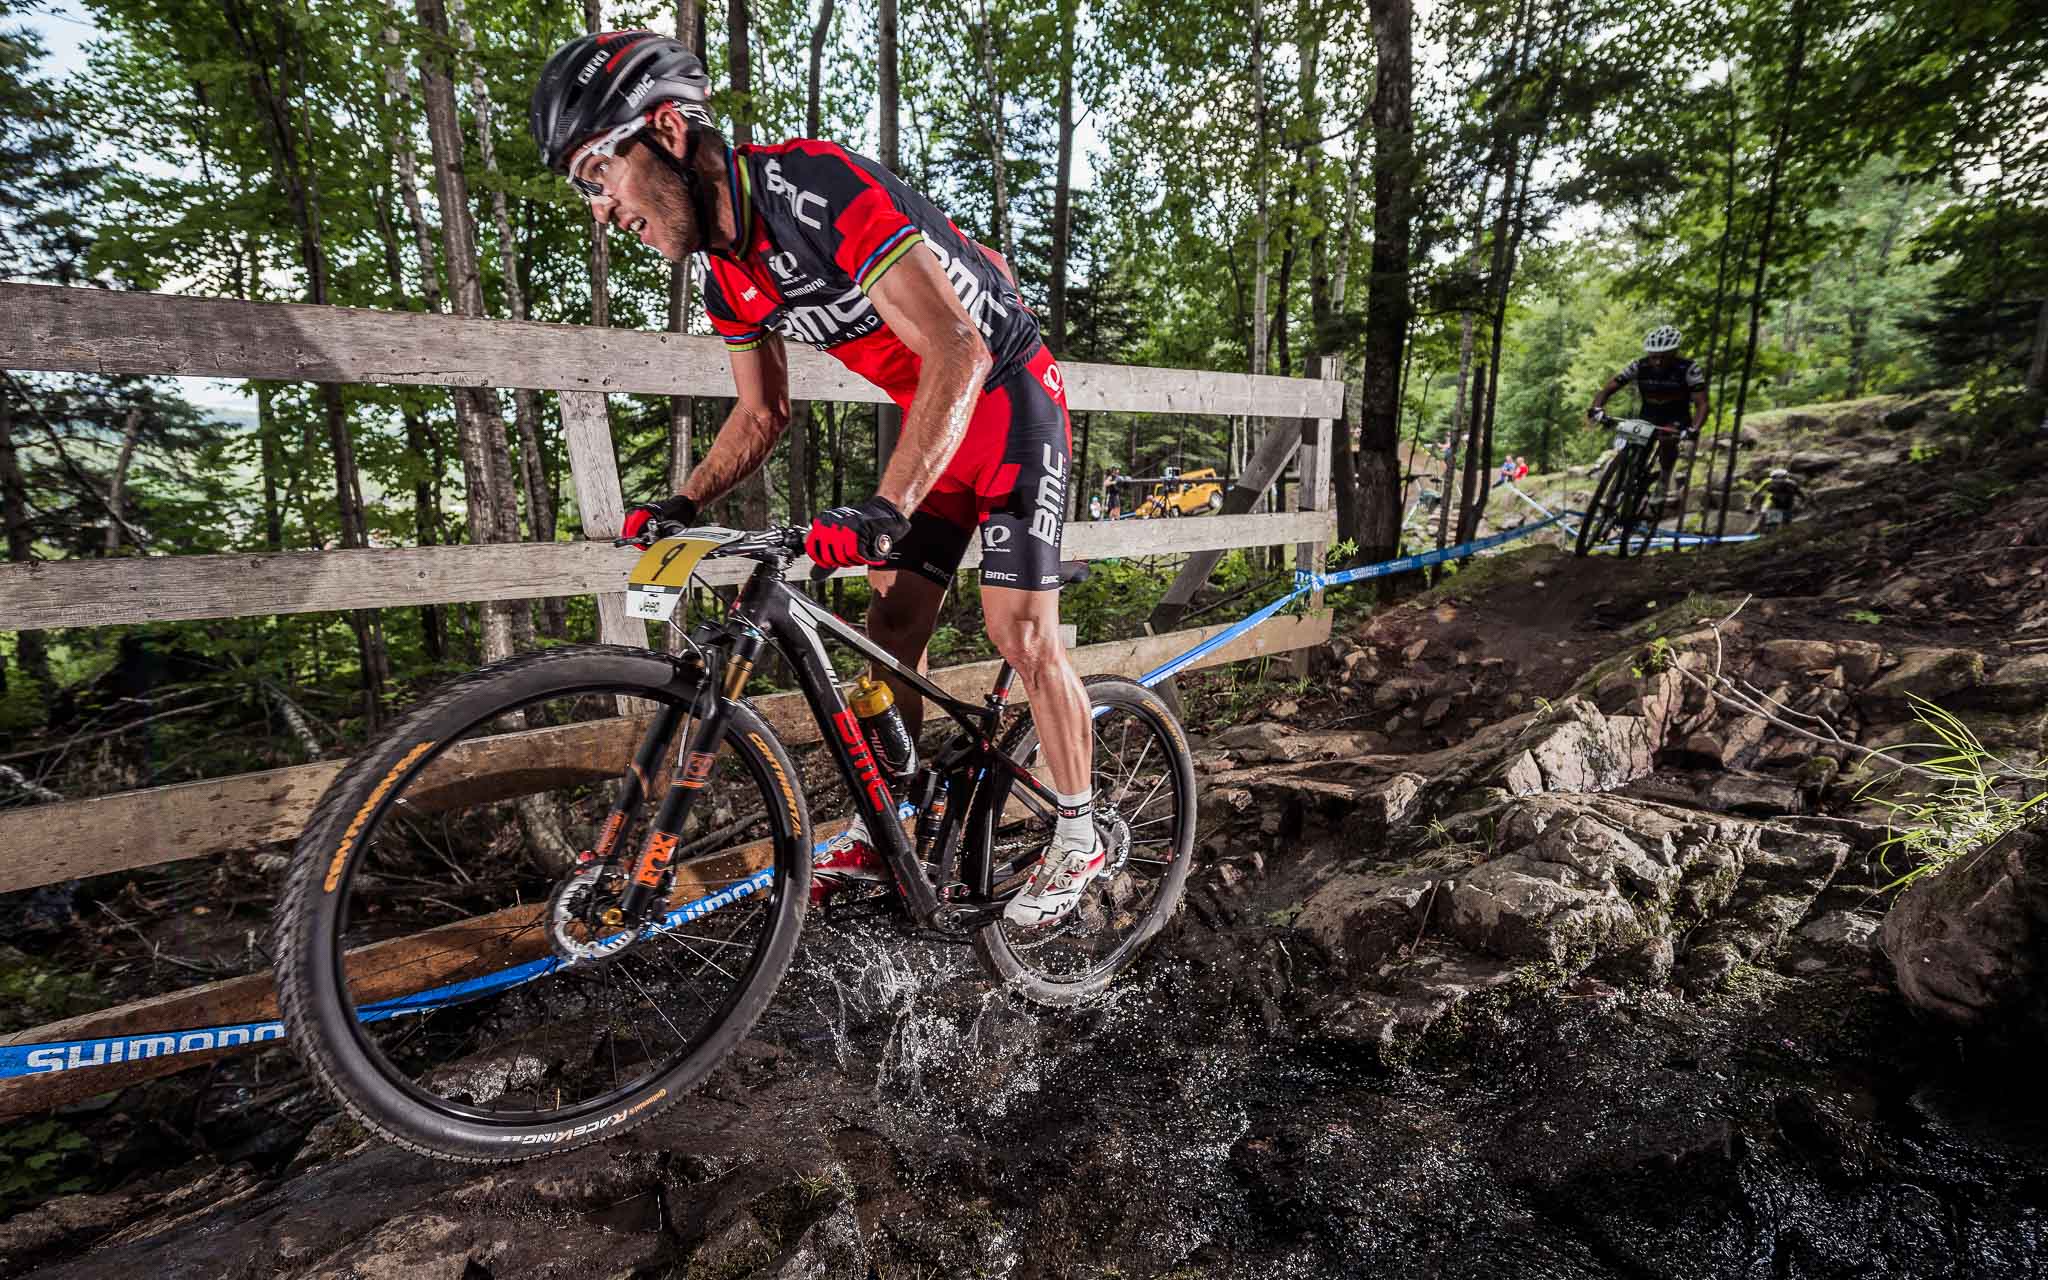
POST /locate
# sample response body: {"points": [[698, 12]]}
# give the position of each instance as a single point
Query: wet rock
{"points": [[1578, 749], [1932, 674], [1843, 931], [1969, 944], [1755, 795], [1268, 743], [2021, 684], [1797, 655], [1860, 659]]}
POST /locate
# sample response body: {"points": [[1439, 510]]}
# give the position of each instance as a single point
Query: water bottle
{"points": [[888, 737]]}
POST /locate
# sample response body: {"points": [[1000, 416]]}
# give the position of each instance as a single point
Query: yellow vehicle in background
{"points": [[1183, 494]]}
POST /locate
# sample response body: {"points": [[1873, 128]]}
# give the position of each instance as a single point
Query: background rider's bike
{"points": [[552, 898], [1772, 518], [1619, 511]]}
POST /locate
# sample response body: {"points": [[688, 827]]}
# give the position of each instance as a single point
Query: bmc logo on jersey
{"points": [[978, 302], [794, 196]]}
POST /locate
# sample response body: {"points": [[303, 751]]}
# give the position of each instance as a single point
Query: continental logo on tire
{"points": [[594, 1126], [796, 820], [355, 826]]}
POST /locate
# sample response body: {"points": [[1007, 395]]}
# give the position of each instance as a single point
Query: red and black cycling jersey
{"points": [[1669, 388], [820, 226]]}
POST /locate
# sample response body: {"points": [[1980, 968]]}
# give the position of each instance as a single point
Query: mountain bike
{"points": [[1618, 511], [551, 900]]}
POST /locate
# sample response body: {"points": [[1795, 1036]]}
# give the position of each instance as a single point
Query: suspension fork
{"points": [[742, 646]]}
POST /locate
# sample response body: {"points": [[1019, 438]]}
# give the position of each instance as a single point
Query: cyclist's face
{"points": [[640, 195], [1659, 359]]}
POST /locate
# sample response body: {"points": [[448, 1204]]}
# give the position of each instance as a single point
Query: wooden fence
{"points": [[95, 331]]}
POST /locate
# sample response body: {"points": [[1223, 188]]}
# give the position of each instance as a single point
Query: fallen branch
{"points": [[1760, 706], [116, 731], [27, 785]]}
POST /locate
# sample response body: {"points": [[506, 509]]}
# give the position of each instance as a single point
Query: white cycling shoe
{"points": [[1056, 885]]}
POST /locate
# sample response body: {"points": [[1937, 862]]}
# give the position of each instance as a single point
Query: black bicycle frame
{"points": [[768, 608]]}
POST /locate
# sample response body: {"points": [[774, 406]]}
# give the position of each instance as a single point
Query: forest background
{"points": [[1477, 206]]}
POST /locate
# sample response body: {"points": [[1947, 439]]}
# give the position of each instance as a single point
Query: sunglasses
{"points": [[607, 147]]}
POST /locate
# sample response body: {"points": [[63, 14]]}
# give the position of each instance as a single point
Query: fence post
{"points": [[587, 429], [1314, 496]]}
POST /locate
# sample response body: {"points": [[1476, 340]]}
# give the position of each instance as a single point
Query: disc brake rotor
{"points": [[576, 929]]}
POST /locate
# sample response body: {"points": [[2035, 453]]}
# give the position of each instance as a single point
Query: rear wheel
{"points": [[444, 965], [1144, 783]]}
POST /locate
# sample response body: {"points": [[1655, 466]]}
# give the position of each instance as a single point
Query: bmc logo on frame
{"points": [[856, 742]]}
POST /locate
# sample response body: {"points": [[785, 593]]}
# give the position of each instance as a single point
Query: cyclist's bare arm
{"points": [[758, 418], [918, 304], [1699, 409], [1600, 400]]}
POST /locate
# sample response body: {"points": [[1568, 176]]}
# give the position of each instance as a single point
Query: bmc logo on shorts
{"points": [[1055, 383], [1052, 500]]}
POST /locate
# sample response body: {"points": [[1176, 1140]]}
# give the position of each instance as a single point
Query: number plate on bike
{"points": [[1633, 429], [663, 573]]}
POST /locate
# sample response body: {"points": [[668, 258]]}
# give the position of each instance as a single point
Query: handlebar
{"points": [[777, 543]]}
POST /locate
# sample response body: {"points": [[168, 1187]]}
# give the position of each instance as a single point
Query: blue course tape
{"points": [[69, 1055], [1305, 582]]}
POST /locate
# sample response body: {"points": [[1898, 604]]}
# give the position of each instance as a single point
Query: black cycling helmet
{"points": [[597, 83]]}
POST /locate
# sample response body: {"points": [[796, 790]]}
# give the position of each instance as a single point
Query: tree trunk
{"points": [[272, 95], [131, 430], [1779, 143], [2037, 367], [486, 463], [426, 513], [985, 38], [31, 649], [1470, 494], [682, 411], [1063, 180], [888, 418], [1259, 215], [755, 495], [526, 415], [1387, 302]]}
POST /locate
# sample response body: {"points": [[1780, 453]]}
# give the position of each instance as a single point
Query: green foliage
{"points": [[33, 992], [41, 1159], [1974, 799]]}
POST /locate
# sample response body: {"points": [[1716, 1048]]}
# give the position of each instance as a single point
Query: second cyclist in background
{"points": [[1673, 392]]}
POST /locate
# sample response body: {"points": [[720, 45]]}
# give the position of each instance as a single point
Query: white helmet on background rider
{"points": [[1661, 339], [1779, 473]]}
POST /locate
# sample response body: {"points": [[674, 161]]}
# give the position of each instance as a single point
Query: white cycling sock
{"points": [[1076, 826]]}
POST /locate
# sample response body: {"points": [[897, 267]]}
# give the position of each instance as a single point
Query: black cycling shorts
{"points": [[1008, 480]]}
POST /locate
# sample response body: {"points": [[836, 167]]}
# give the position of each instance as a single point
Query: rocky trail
{"points": [[1511, 951]]}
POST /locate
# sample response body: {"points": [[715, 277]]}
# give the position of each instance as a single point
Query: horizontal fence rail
{"points": [[43, 843], [66, 330], [139, 589]]}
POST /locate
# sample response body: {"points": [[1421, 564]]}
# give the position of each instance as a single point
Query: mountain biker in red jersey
{"points": [[807, 241], [1673, 391]]}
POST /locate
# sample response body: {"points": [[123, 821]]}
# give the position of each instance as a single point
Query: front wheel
{"points": [[1599, 519], [1144, 783], [445, 964]]}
